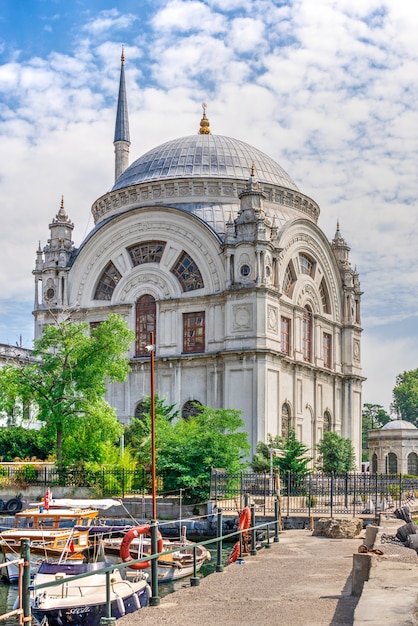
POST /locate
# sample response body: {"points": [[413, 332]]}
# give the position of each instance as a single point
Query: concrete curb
{"points": [[390, 592]]}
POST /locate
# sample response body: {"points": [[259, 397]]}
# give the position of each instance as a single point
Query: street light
{"points": [[151, 349]]}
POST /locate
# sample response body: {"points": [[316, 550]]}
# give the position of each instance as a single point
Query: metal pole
{"points": [[25, 555], [253, 532], [194, 580], [153, 463], [219, 565], [276, 522]]}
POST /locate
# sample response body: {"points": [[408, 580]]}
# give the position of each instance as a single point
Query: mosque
{"points": [[208, 243]]}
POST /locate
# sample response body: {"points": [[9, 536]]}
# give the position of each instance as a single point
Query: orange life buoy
{"points": [[125, 553], [243, 524]]}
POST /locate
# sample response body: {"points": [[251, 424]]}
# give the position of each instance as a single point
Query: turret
{"points": [[122, 139]]}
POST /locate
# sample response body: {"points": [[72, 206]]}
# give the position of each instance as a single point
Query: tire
{"points": [[2, 505], [14, 505], [406, 530]]}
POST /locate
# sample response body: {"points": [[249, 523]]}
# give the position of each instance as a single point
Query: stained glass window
{"points": [[146, 252], [306, 264], [323, 292], [188, 273], [107, 282]]}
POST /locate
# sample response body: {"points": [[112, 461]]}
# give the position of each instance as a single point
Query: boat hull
{"points": [[91, 614]]}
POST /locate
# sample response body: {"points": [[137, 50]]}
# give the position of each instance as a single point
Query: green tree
{"points": [[336, 454], [17, 442], [187, 450], [67, 384], [405, 397], [373, 416], [295, 458]]}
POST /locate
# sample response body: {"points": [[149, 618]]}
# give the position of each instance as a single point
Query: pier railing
{"points": [[257, 536]]}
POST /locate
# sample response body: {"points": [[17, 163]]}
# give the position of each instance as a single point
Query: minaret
{"points": [[122, 140]]}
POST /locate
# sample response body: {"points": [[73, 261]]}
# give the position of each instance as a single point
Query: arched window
{"points": [[146, 252], [327, 421], [140, 409], [323, 292], [187, 272], [286, 421], [145, 323], [107, 282], [391, 463], [307, 264], [307, 335], [413, 464], [374, 463], [289, 279], [191, 408]]}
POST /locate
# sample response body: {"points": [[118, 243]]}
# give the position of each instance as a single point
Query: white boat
{"points": [[177, 563], [82, 602], [54, 534]]}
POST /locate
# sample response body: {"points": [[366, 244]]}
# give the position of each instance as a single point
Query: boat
{"points": [[136, 543], [83, 601], [54, 534]]}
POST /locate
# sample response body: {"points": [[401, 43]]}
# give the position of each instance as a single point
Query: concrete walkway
{"points": [[301, 581]]}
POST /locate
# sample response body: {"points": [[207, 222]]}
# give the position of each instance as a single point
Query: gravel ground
{"points": [[301, 581]]}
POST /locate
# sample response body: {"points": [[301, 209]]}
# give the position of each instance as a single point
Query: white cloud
{"points": [[109, 21], [182, 17]]}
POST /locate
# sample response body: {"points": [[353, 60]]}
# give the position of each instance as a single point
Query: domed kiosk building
{"points": [[209, 243], [393, 449]]}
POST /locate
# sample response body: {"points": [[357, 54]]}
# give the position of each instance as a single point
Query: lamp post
{"points": [[276, 452], [151, 349]]}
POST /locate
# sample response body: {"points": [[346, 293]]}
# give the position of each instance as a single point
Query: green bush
{"points": [[26, 474]]}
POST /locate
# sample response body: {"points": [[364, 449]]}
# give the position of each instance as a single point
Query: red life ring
{"points": [[243, 524], [125, 545]]}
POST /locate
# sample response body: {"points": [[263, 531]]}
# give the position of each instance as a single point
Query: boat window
{"points": [[46, 522], [66, 523]]}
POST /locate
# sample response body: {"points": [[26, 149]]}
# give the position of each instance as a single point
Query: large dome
{"points": [[204, 156]]}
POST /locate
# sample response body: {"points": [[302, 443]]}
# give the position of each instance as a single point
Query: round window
{"points": [[245, 270], [50, 293]]}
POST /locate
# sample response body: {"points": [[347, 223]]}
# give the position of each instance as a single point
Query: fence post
{"points": [[155, 599], [288, 492], [123, 482], [219, 565], [25, 555], [346, 491], [354, 493], [332, 494], [400, 490]]}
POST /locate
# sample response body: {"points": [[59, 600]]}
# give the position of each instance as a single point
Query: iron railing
{"points": [[353, 493]]}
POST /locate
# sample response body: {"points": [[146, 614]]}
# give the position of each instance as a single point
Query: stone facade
{"points": [[207, 242]]}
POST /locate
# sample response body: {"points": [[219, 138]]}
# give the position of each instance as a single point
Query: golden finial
{"points": [[62, 203], [252, 169], [122, 56], [204, 122]]}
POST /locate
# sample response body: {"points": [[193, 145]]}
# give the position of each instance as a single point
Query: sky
{"points": [[328, 89]]}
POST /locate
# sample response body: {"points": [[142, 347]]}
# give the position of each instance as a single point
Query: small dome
{"points": [[204, 156], [399, 424]]}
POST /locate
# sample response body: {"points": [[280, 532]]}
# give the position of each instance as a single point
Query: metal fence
{"points": [[354, 493], [109, 482]]}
